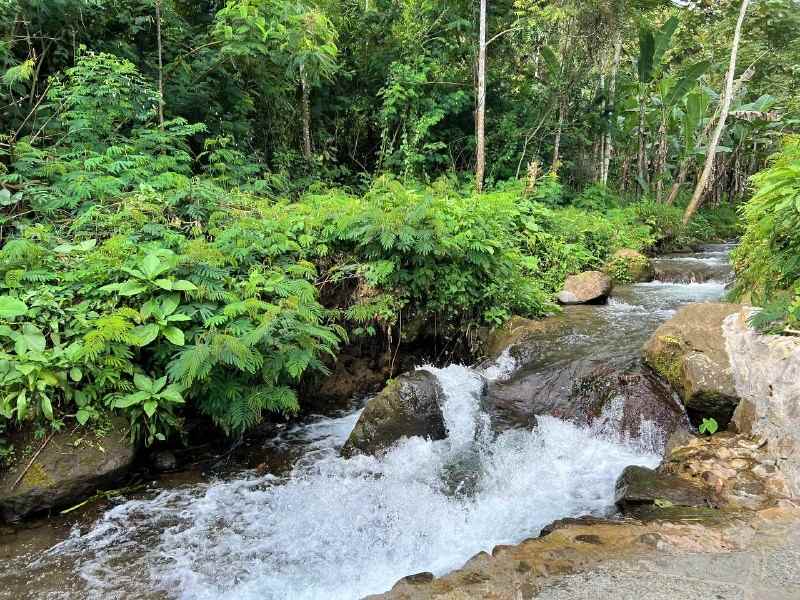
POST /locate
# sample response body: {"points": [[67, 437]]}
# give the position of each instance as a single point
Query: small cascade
{"points": [[341, 529]]}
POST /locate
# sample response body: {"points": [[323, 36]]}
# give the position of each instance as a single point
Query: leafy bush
{"points": [[767, 262]]}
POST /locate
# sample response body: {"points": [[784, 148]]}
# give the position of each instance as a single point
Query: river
{"points": [[329, 528]]}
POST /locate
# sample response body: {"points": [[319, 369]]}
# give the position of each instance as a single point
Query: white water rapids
{"points": [[342, 529]]}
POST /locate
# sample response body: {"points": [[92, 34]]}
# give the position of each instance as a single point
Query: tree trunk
{"points": [[307, 152], [557, 143], [160, 67], [642, 154], [727, 97], [480, 113], [612, 96], [661, 157]]}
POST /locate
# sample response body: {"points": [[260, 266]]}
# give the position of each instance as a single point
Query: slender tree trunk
{"points": [[307, 151], [642, 154], [160, 67], [612, 96], [480, 113], [562, 109], [661, 158], [727, 97]]}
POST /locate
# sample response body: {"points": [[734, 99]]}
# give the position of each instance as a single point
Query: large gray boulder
{"points": [[591, 287], [71, 467], [766, 373], [689, 352], [408, 406]]}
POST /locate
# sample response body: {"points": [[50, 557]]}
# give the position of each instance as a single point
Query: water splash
{"points": [[341, 529]]}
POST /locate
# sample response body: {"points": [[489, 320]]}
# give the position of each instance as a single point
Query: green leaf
{"points": [[22, 404], [83, 416], [172, 394], [130, 288], [143, 383], [131, 399], [170, 304], [164, 284], [47, 407], [183, 286], [647, 48], [31, 338], [151, 266], [76, 375], [150, 407], [174, 335], [159, 384], [12, 307], [145, 334], [87, 245]]}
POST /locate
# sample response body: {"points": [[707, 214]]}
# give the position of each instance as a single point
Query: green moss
{"points": [[36, 477], [666, 360]]}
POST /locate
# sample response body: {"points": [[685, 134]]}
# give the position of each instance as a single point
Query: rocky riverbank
{"points": [[713, 502]]}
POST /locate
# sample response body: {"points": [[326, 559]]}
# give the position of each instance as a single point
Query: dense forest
{"points": [[205, 202]]}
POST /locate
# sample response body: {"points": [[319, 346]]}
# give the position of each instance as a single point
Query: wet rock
{"points": [[677, 270], [628, 265], [766, 372], [622, 398], [408, 406], [524, 333], [689, 352], [641, 488], [351, 375], [71, 467], [591, 287], [164, 461]]}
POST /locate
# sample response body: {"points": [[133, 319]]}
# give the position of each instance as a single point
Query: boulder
{"points": [[408, 406], [591, 287], [70, 467], [623, 398], [766, 373], [628, 265], [519, 331], [639, 489], [689, 352]]}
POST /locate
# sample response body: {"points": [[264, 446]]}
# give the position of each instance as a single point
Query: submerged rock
{"points": [[766, 373], [71, 467], [689, 352], [591, 287], [628, 265], [409, 406]]}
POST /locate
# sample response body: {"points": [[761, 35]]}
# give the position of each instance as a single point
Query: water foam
{"points": [[341, 529]]}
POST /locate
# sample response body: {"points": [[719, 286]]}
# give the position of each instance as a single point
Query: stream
{"points": [[333, 529]]}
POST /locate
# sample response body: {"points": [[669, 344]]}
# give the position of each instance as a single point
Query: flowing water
{"points": [[341, 529]]}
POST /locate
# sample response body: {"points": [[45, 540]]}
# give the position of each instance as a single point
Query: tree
{"points": [[480, 112], [727, 97]]}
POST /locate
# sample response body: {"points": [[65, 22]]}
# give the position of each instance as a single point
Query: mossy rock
{"points": [[689, 352], [71, 467], [629, 266]]}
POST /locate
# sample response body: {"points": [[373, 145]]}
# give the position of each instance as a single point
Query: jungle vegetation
{"points": [[203, 202]]}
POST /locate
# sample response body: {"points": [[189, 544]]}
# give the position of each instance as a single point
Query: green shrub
{"points": [[767, 262]]}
